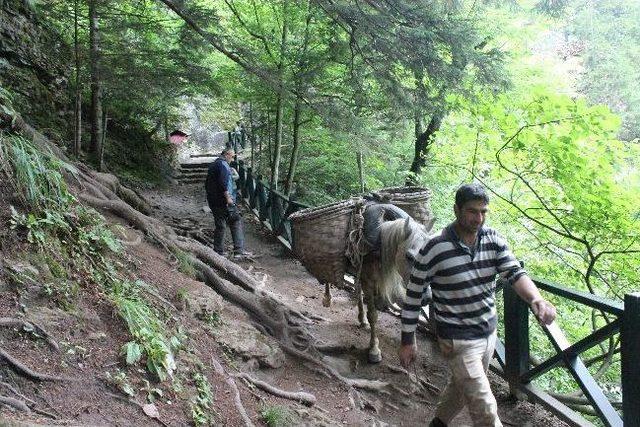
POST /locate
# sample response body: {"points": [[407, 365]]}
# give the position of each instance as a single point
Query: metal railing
{"points": [[514, 355], [273, 209]]}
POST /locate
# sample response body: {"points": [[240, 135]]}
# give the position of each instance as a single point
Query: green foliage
{"points": [[184, 264], [62, 292], [152, 392], [558, 173], [202, 411], [145, 326], [276, 416], [605, 35], [120, 380], [37, 177], [210, 317]]}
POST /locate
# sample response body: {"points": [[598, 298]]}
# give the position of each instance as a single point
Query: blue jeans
{"points": [[222, 217]]}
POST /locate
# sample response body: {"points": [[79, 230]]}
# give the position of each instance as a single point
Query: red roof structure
{"points": [[177, 137]]}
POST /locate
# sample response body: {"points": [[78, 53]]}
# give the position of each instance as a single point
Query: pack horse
{"points": [[385, 273], [384, 262]]}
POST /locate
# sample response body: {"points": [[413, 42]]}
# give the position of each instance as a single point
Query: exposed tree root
{"points": [[45, 413], [19, 367], [396, 368], [432, 388], [274, 317], [29, 326], [16, 392], [236, 393], [361, 383], [336, 348], [14, 403], [115, 187], [399, 390], [230, 270], [299, 396]]}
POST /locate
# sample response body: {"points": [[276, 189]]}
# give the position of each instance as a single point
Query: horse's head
{"points": [[401, 242], [416, 236]]}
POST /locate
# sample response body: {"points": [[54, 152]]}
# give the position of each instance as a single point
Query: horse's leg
{"points": [[361, 316], [364, 272], [375, 356], [326, 301]]}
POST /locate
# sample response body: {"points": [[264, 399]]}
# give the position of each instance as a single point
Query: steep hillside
{"points": [[34, 67]]}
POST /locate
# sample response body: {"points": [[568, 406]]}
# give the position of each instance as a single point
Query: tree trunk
{"points": [[275, 167], [166, 128], [77, 112], [293, 163], [419, 94], [251, 137], [360, 160], [297, 109], [96, 88], [277, 143], [422, 147], [267, 134], [103, 139]]}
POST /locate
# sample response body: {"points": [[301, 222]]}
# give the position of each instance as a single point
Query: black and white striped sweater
{"points": [[462, 282]]}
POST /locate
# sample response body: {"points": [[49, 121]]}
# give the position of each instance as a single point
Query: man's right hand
{"points": [[407, 354]]}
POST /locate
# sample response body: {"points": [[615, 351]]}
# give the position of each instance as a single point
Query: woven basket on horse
{"points": [[320, 239], [413, 200]]}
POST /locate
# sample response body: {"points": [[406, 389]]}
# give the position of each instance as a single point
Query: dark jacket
{"points": [[218, 179]]}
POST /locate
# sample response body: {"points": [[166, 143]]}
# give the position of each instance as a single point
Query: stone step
{"points": [[194, 173], [191, 181], [194, 165]]}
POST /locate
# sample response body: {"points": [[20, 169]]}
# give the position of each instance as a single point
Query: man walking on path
{"points": [[459, 267], [221, 200]]}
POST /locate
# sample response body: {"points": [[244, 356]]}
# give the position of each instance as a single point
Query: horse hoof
{"points": [[364, 325], [326, 302], [375, 357]]}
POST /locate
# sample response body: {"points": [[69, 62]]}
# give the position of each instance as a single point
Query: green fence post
{"points": [[516, 338], [630, 355]]}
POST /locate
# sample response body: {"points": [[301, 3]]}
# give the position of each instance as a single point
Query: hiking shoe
{"points": [[242, 255]]}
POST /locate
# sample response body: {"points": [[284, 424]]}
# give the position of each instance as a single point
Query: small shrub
{"points": [[209, 316], [63, 293], [276, 416], [120, 381], [151, 391], [145, 326], [184, 264], [202, 411], [37, 177]]}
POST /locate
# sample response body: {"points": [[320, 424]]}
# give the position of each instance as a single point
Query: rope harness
{"points": [[355, 250]]}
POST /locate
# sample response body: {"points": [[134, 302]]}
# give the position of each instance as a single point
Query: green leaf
{"points": [[132, 352]]}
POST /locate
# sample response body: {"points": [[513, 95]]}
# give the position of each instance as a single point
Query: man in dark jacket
{"points": [[221, 200]]}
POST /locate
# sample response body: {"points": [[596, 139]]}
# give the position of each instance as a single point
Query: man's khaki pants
{"points": [[468, 383]]}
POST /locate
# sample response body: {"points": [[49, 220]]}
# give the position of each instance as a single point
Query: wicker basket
{"points": [[320, 239], [413, 200]]}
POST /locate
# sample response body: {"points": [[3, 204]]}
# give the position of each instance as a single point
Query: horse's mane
{"points": [[393, 233], [393, 236]]}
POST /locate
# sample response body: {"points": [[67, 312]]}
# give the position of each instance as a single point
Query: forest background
{"points": [[539, 101]]}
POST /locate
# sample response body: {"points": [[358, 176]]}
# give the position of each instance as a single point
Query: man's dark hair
{"points": [[469, 192], [226, 151]]}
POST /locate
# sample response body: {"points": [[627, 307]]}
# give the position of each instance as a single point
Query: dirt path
{"points": [[285, 277]]}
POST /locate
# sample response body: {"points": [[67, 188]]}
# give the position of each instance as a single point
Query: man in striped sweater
{"points": [[459, 267]]}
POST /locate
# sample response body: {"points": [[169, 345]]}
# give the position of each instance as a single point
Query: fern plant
{"points": [[36, 177]]}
